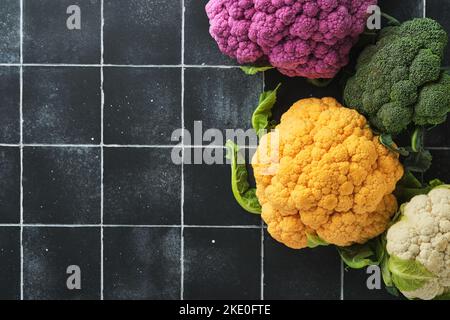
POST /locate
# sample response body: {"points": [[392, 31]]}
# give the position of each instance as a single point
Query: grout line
{"points": [[182, 152], [21, 149], [62, 65], [342, 280], [102, 107], [155, 146], [192, 226], [263, 77], [438, 148], [262, 260]]}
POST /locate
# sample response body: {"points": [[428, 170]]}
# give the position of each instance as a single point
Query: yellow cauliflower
{"points": [[323, 172]]}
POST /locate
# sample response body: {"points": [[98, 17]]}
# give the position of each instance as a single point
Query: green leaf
{"points": [[252, 70], [359, 256], [387, 141], [393, 291], [320, 83], [408, 275], [244, 195], [391, 20], [444, 296], [417, 139], [313, 241], [408, 187], [263, 112], [418, 161]]}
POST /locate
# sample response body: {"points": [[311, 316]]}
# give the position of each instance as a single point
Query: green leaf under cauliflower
{"points": [[263, 112], [251, 70], [314, 241], [359, 256], [244, 194], [408, 275]]}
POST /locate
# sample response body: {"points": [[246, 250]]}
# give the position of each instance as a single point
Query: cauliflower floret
{"points": [[422, 235], [326, 174], [308, 38]]}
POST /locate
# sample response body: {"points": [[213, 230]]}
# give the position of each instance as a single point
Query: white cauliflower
{"points": [[419, 246]]}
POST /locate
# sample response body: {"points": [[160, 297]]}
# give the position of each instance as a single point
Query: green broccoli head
{"points": [[434, 102], [399, 80]]}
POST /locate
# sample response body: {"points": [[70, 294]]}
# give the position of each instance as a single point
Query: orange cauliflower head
{"points": [[322, 171]]}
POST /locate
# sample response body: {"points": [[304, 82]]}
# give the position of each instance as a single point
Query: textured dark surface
{"points": [[48, 252], [142, 263], [142, 106], [9, 185], [9, 263], [142, 186], [222, 263], [9, 104], [10, 31], [208, 201], [61, 105], [47, 39], [142, 32], [166, 231], [62, 185]]}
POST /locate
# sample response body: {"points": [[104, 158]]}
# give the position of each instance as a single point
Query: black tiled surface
{"points": [[9, 185], [9, 104], [142, 263], [438, 136], [142, 32], [200, 47], [47, 38], [9, 263], [220, 98], [209, 201], [62, 105], [440, 11], [222, 263], [403, 10], [355, 286], [142, 106], [141, 186], [61, 185], [439, 168], [10, 31], [294, 89], [48, 252], [305, 274]]}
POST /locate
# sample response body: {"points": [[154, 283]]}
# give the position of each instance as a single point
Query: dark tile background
{"points": [[142, 263], [200, 47], [47, 254], [142, 187], [9, 263], [9, 104], [61, 185], [222, 263], [142, 106], [142, 32], [61, 105], [9, 185], [10, 31], [47, 39]]}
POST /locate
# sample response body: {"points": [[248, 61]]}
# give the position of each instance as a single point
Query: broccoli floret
{"points": [[433, 103], [399, 80]]}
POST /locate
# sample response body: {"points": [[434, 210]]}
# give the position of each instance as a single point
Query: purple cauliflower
{"points": [[306, 38]]}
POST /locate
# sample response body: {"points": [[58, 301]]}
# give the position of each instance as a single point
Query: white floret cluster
{"points": [[423, 234]]}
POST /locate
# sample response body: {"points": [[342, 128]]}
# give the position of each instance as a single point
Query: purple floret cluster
{"points": [[306, 38]]}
